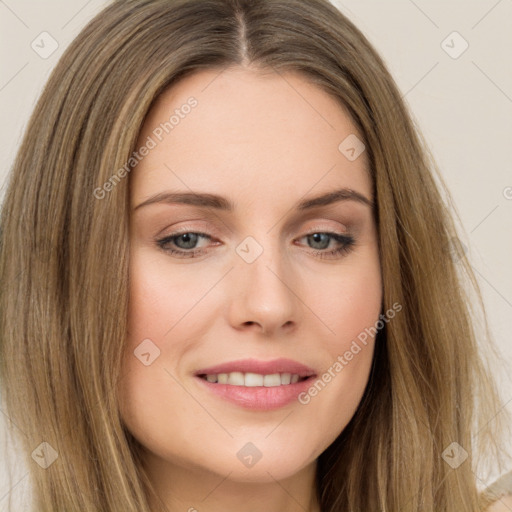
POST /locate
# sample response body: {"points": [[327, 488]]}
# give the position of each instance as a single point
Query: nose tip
{"points": [[264, 298]]}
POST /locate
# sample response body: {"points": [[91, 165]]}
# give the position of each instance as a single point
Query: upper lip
{"points": [[281, 365]]}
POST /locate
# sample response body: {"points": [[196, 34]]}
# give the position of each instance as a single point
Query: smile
{"points": [[253, 379], [254, 384]]}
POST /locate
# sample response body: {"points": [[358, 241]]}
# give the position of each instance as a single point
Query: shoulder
{"points": [[498, 496], [503, 504]]}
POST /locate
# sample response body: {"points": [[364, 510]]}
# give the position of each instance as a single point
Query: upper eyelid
{"points": [[352, 220], [350, 226], [307, 232]]}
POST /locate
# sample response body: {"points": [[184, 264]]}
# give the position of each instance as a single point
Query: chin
{"points": [[244, 462]]}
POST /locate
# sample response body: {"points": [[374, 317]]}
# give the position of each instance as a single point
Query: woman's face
{"points": [[255, 294]]}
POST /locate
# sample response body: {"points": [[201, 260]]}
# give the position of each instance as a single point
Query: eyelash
{"points": [[348, 243]]}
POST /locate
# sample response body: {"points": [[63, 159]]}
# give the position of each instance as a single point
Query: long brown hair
{"points": [[64, 263]]}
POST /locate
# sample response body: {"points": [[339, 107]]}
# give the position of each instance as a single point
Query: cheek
{"points": [[150, 303], [148, 392], [161, 304], [351, 308], [350, 302], [159, 298]]}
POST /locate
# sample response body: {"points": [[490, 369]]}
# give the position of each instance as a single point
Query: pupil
{"points": [[317, 239], [188, 238]]}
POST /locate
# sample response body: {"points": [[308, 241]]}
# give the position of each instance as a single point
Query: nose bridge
{"points": [[264, 259], [266, 277]]}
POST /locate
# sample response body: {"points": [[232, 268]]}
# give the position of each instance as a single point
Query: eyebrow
{"points": [[217, 202]]}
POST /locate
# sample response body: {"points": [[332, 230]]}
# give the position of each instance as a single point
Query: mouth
{"points": [[251, 380], [257, 385]]}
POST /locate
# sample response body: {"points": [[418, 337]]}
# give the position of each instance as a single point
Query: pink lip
{"points": [[259, 398], [262, 367]]}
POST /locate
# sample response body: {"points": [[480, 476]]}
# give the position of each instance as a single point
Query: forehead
{"points": [[249, 133]]}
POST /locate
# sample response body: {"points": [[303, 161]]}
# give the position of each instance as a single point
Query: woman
{"points": [[252, 369]]}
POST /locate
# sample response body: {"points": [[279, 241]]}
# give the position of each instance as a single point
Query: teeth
{"points": [[236, 379], [253, 379], [286, 378], [272, 380]]}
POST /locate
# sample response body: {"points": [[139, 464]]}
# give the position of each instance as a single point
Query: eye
{"points": [[186, 243], [345, 243]]}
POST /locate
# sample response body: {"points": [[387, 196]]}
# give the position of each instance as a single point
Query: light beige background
{"points": [[463, 106]]}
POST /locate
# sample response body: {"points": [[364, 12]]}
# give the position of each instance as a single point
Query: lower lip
{"points": [[259, 397]]}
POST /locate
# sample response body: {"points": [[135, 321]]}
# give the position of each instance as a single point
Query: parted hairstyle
{"points": [[64, 263]]}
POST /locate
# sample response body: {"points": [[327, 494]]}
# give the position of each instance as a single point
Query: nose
{"points": [[265, 294]]}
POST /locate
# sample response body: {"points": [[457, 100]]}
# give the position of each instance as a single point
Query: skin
{"points": [[264, 141], [504, 504]]}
